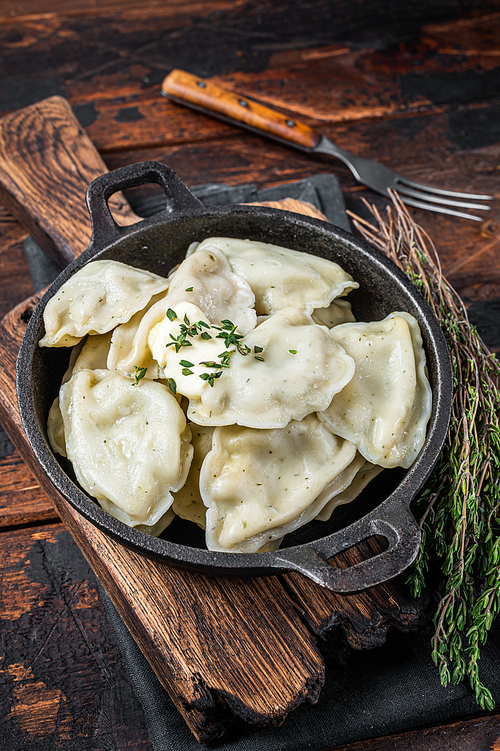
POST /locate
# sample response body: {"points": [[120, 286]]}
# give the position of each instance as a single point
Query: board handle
{"points": [[393, 521], [205, 96], [47, 161], [105, 230]]}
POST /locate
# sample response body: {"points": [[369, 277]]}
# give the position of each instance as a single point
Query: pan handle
{"points": [[395, 522], [104, 228]]}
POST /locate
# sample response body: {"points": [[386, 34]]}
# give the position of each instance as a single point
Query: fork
{"points": [[201, 94]]}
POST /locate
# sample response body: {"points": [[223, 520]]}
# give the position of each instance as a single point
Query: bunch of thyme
{"points": [[459, 508]]}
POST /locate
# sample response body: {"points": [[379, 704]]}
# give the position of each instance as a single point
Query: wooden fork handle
{"points": [[203, 95]]}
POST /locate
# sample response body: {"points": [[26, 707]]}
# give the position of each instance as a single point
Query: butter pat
{"points": [[198, 346]]}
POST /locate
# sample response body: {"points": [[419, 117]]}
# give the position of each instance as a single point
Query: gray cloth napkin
{"points": [[386, 690]]}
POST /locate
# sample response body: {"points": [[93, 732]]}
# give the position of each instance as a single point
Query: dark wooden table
{"points": [[417, 88]]}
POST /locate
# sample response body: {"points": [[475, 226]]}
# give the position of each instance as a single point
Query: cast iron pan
{"points": [[159, 243]]}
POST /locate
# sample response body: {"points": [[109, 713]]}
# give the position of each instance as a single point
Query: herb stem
{"points": [[459, 507]]}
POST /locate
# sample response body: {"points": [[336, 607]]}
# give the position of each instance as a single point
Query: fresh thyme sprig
{"points": [[460, 505], [228, 333]]}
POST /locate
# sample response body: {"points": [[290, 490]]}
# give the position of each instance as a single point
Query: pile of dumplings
{"points": [[238, 393]]}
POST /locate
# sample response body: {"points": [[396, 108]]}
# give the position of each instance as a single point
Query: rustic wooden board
{"points": [[37, 190], [22, 501], [259, 650], [385, 605], [13, 265]]}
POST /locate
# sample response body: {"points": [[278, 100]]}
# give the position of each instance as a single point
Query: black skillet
{"points": [[159, 243]]}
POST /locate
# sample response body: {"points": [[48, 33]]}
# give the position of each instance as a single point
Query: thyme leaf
{"points": [[139, 373], [210, 377]]}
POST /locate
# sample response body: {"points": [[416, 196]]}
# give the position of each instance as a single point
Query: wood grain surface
{"points": [[62, 677], [416, 86], [22, 501], [38, 190]]}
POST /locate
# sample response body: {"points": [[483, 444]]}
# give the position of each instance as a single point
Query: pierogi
{"points": [[299, 369], [116, 438], [239, 394], [258, 485], [188, 503], [96, 299], [283, 278], [206, 280], [385, 408]]}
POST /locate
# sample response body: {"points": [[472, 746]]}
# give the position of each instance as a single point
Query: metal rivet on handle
{"points": [[201, 84], [291, 123], [243, 103]]}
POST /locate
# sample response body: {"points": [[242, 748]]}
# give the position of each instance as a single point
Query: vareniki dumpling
{"points": [[385, 408], [259, 485], [100, 296], [129, 444], [94, 354], [293, 367], [339, 311], [188, 503], [129, 342], [280, 277], [205, 279], [358, 475]]}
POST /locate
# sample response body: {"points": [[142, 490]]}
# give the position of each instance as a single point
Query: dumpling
{"points": [[259, 485], [280, 277], [293, 368], [55, 424], [55, 428], [154, 530], [129, 342], [385, 408], [97, 298], [365, 472], [187, 501], [94, 353], [206, 280], [129, 444], [339, 311]]}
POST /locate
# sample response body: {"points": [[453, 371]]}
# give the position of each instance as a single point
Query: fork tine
{"points": [[440, 209], [441, 192], [436, 199]]}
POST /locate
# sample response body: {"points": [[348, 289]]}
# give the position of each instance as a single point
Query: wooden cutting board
{"points": [[220, 646]]}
